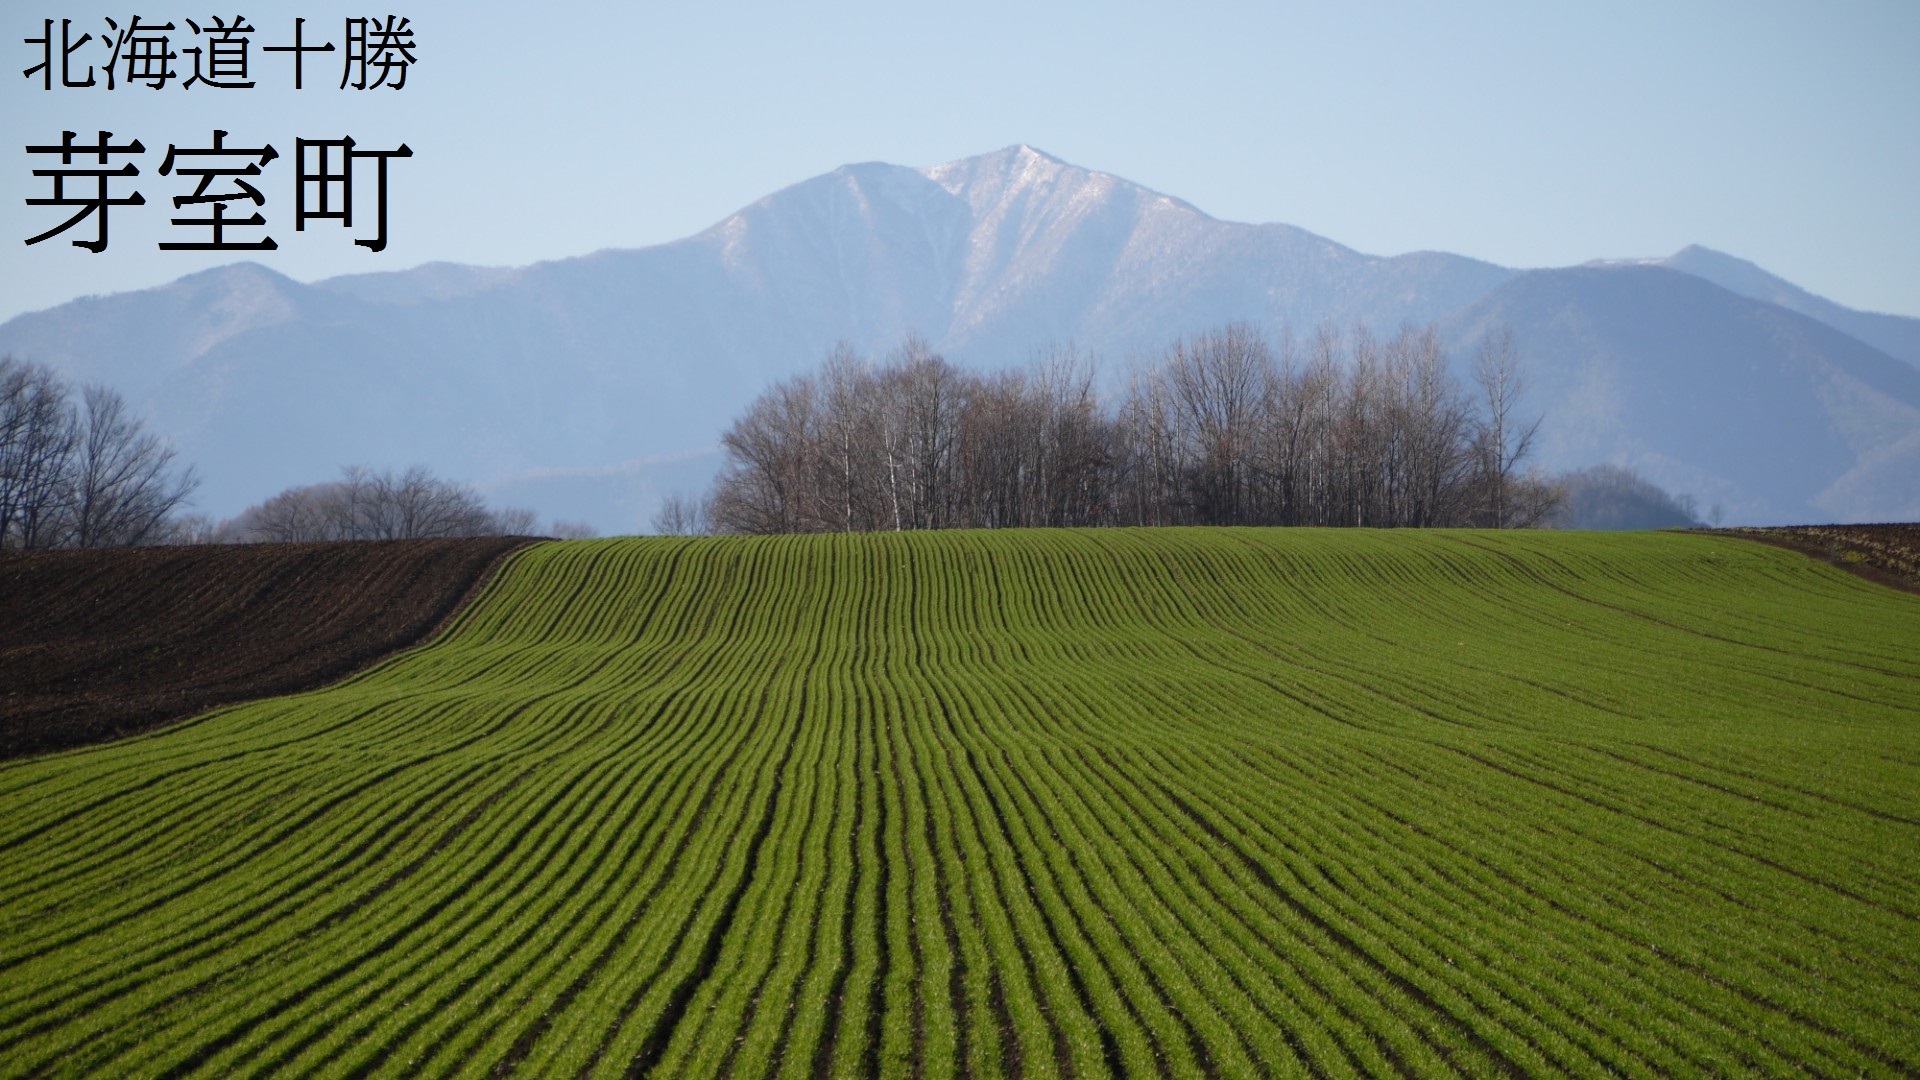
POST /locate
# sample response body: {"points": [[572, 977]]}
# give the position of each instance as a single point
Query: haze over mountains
{"points": [[592, 387]]}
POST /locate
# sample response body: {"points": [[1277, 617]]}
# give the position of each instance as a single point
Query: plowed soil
{"points": [[1889, 554], [95, 645]]}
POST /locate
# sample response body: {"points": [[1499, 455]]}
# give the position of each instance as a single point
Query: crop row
{"points": [[1049, 803]]}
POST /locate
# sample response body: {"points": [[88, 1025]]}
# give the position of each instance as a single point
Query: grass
{"points": [[1187, 802]]}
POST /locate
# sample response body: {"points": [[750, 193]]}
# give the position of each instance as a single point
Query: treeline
{"points": [[1225, 429], [80, 471], [1616, 497], [368, 505]]}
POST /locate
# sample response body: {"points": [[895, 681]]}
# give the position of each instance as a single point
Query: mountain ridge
{"points": [[594, 385], [1604, 341]]}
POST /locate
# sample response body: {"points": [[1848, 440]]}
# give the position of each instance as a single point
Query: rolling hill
{"points": [[99, 644], [1035, 802]]}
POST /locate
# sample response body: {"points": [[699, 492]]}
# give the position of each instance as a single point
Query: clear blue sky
{"points": [[1528, 134]]}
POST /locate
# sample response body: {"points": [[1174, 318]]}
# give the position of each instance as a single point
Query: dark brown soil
{"points": [[1889, 554], [99, 644]]}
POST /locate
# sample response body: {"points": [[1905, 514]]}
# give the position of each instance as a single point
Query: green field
{"points": [[1190, 802]]}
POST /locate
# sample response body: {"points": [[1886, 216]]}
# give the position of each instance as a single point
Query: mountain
{"points": [[591, 387], [1895, 335], [1766, 413]]}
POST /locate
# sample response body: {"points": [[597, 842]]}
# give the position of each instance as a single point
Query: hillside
{"points": [[99, 644], [1896, 335], [1772, 415], [1028, 803]]}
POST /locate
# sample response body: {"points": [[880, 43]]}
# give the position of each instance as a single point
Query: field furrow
{"points": [[1051, 803]]}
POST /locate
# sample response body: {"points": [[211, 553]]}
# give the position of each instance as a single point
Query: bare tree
{"points": [[368, 505], [924, 398], [514, 521], [1032, 447], [300, 513], [193, 529], [1504, 440], [418, 504], [1074, 444], [845, 487], [1218, 385], [1427, 458], [771, 455], [124, 484], [679, 515], [1152, 464], [572, 530], [37, 437], [999, 468], [88, 477]]}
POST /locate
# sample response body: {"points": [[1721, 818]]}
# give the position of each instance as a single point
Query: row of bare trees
{"points": [[1225, 429], [86, 473], [917, 444], [80, 473], [368, 505]]}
